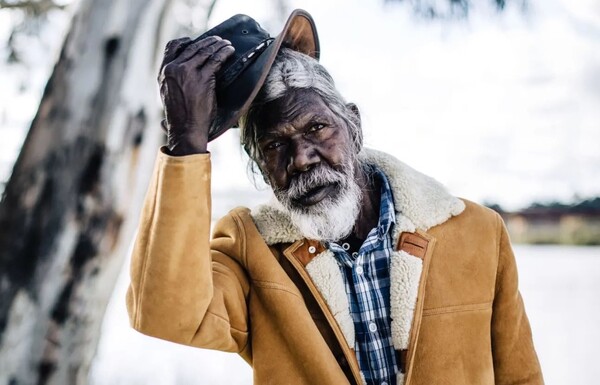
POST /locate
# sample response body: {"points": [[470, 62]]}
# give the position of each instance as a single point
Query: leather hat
{"points": [[243, 74]]}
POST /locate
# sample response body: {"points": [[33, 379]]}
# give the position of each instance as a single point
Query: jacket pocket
{"points": [[457, 308]]}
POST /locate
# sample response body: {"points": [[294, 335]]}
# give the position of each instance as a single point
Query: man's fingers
{"points": [[175, 44], [216, 60], [217, 53], [174, 48], [201, 45]]}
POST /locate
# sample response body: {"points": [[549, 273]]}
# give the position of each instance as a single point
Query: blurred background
{"points": [[497, 99]]}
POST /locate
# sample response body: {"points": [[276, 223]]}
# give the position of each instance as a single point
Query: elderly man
{"points": [[360, 271]]}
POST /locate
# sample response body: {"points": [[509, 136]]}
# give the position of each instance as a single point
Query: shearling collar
{"points": [[420, 202]]}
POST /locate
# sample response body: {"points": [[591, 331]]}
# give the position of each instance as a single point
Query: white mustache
{"points": [[320, 176], [332, 218]]}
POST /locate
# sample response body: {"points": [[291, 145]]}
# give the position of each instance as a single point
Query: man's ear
{"points": [[354, 108], [357, 136]]}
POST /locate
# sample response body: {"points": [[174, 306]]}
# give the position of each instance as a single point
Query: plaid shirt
{"points": [[367, 280]]}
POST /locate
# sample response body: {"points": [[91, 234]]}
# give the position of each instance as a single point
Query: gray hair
{"points": [[294, 70]]}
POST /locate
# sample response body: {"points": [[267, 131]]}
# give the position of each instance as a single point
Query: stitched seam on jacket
{"points": [[498, 243], [273, 285], [241, 231], [457, 308], [219, 269], [145, 262], [226, 321]]}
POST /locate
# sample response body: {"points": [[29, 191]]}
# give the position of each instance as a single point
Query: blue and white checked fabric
{"points": [[367, 280]]}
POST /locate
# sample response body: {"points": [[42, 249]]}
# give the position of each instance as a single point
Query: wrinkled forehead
{"points": [[295, 105]]}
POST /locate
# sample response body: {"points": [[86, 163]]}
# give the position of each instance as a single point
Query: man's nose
{"points": [[303, 157]]}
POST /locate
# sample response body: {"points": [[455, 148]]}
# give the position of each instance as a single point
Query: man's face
{"points": [[300, 134], [309, 159]]}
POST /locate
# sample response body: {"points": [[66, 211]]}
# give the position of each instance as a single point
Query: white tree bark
{"points": [[71, 206]]}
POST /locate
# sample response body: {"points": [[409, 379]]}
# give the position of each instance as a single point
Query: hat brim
{"points": [[299, 34]]}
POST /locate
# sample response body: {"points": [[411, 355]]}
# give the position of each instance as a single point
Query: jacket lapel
{"points": [[325, 282], [409, 267], [408, 276]]}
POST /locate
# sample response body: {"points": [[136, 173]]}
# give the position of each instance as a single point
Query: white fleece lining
{"points": [[399, 378], [419, 197], [274, 225], [327, 277], [405, 273], [403, 224]]}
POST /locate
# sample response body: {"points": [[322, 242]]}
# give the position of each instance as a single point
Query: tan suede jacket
{"points": [[259, 289]]}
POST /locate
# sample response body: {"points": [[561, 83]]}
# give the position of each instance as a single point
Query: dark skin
{"points": [[300, 132], [187, 80]]}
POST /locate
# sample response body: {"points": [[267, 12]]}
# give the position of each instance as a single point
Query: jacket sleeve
{"points": [[515, 359], [185, 288]]}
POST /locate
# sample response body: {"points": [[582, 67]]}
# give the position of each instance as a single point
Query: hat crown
{"points": [[242, 31], [241, 76]]}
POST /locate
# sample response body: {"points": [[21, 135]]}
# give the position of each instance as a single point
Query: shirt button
{"points": [[372, 327], [346, 246], [354, 255], [359, 270], [312, 249]]}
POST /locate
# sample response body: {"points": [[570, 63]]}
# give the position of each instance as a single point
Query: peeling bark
{"points": [[71, 205]]}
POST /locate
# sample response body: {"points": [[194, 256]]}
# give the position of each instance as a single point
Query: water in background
{"points": [[561, 287], [559, 284]]}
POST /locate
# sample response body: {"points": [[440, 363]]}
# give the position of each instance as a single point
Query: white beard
{"points": [[331, 219]]}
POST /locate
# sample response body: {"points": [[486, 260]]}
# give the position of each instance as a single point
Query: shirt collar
{"points": [[386, 206]]}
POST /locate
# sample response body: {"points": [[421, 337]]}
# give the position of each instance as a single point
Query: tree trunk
{"points": [[72, 203]]}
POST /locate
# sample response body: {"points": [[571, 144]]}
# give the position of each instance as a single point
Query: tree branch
{"points": [[209, 12]]}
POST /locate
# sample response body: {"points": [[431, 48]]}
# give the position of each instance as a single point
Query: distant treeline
{"points": [[576, 223], [583, 207]]}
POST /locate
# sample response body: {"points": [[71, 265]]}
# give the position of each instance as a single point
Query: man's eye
{"points": [[273, 145], [316, 127]]}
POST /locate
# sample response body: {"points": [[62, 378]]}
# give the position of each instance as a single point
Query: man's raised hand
{"points": [[187, 80]]}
